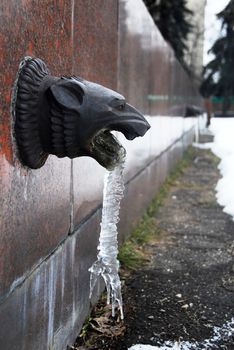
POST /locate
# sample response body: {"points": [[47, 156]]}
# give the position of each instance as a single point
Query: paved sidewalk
{"points": [[188, 288]]}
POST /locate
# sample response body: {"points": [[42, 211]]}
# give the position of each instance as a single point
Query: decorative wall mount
{"points": [[69, 117]]}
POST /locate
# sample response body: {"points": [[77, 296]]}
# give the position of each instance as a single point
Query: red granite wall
{"points": [[72, 37], [31, 201], [95, 59], [44, 281]]}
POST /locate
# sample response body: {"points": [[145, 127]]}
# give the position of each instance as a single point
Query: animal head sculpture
{"points": [[69, 116]]}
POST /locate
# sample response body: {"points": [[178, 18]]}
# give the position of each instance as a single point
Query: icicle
{"points": [[107, 264]]}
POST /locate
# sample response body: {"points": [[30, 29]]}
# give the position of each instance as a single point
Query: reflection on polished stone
{"points": [[149, 75]]}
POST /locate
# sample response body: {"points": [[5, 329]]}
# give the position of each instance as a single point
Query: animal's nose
{"points": [[138, 117], [130, 122]]}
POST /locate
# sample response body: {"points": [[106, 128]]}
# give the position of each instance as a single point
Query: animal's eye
{"points": [[121, 107]]}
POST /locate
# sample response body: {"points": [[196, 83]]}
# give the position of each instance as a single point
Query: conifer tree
{"points": [[218, 74], [172, 19]]}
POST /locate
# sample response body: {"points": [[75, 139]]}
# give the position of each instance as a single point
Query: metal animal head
{"points": [[74, 118]]}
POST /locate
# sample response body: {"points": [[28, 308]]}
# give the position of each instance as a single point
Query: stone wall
{"points": [[49, 218]]}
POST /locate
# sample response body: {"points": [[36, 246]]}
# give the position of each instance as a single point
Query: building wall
{"points": [[49, 218], [195, 41]]}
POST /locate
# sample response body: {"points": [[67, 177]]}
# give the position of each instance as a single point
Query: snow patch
{"points": [[150, 347], [223, 147], [224, 332], [207, 145]]}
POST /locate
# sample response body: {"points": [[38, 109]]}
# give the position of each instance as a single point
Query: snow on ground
{"points": [[207, 145], [219, 333], [223, 147]]}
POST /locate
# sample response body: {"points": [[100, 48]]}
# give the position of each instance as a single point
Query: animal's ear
{"points": [[68, 94]]}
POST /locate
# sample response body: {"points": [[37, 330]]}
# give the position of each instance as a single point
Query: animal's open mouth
{"points": [[104, 146], [106, 149]]}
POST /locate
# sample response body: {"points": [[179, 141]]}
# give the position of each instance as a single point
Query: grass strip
{"points": [[131, 253]]}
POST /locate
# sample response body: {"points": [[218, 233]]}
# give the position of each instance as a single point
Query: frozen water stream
{"points": [[107, 264]]}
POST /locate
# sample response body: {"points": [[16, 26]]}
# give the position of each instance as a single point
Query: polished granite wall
{"points": [[36, 205], [49, 218], [149, 75]]}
